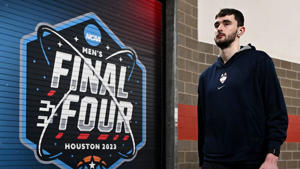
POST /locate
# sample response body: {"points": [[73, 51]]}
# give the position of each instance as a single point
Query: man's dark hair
{"points": [[229, 11]]}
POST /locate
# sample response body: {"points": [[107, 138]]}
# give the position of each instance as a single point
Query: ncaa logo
{"points": [[92, 35], [82, 95]]}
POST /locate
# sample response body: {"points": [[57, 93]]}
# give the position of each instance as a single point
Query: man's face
{"points": [[225, 31]]}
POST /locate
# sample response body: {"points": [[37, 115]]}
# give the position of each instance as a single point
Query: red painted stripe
{"points": [[103, 137], [293, 133], [83, 136], [187, 122], [59, 135], [116, 137], [125, 138], [188, 129], [51, 92]]}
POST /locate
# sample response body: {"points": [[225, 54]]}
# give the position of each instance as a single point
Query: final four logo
{"points": [[83, 95]]}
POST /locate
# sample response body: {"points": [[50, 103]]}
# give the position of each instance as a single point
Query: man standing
{"points": [[242, 117]]}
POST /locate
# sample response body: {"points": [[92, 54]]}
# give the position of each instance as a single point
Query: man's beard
{"points": [[224, 44]]}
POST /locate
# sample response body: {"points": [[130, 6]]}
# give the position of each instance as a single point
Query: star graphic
{"points": [[121, 59], [76, 39], [92, 165], [59, 44], [107, 47]]}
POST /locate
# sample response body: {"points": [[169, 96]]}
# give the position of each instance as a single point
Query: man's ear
{"points": [[241, 31]]}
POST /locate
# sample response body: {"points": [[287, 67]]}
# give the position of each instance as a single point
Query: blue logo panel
{"points": [[83, 95]]}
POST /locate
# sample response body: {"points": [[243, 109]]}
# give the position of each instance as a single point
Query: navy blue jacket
{"points": [[241, 109]]}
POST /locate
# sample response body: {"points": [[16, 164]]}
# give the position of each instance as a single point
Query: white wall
{"points": [[272, 26]]}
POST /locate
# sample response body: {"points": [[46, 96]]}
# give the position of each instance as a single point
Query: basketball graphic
{"points": [[92, 162]]}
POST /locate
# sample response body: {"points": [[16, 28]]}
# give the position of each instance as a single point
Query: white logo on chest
{"points": [[223, 77]]}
